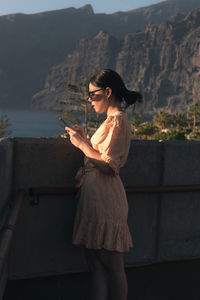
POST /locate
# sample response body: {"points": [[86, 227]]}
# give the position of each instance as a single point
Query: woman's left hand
{"points": [[75, 137]]}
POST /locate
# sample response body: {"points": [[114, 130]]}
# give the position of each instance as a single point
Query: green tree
{"points": [[171, 134], [136, 121], [162, 120], [193, 115], [179, 121], [76, 104], [147, 130], [4, 124], [194, 134], [78, 110]]}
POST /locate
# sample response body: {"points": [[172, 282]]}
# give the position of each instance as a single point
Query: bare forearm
{"points": [[95, 157], [89, 151], [85, 146]]}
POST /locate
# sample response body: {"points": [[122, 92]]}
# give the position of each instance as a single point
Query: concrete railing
{"points": [[6, 171], [165, 226]]}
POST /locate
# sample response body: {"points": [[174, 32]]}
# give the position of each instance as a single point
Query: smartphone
{"points": [[64, 122]]}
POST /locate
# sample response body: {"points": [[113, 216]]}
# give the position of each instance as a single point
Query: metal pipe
{"points": [[164, 189], [9, 228], [42, 191], [45, 191]]}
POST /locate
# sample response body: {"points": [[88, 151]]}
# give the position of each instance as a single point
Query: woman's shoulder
{"points": [[117, 119]]}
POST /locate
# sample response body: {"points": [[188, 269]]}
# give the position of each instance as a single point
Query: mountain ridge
{"points": [[32, 44], [163, 62]]}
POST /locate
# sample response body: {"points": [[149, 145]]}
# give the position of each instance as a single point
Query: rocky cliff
{"points": [[32, 44], [89, 55], [163, 62]]}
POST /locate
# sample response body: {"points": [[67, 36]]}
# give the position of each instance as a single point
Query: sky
{"points": [[99, 6]]}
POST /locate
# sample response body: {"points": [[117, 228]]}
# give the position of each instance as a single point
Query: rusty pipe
{"points": [[9, 228], [45, 191]]}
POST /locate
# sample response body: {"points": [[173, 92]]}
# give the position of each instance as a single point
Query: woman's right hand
{"points": [[80, 131]]}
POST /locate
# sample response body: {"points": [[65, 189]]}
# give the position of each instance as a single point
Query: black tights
{"points": [[108, 274]]}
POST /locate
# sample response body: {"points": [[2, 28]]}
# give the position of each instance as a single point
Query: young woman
{"points": [[101, 218]]}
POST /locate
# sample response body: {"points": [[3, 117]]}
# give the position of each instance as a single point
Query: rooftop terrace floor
{"points": [[162, 281]]}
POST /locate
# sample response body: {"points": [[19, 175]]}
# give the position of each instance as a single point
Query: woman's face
{"points": [[98, 98]]}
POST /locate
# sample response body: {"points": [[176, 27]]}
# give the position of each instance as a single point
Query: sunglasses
{"points": [[92, 94]]}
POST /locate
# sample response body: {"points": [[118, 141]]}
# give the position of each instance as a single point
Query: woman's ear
{"points": [[108, 92]]}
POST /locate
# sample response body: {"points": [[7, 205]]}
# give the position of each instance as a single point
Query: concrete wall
{"points": [[6, 168], [165, 227], [42, 243]]}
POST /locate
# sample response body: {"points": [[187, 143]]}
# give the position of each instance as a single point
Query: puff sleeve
{"points": [[115, 146]]}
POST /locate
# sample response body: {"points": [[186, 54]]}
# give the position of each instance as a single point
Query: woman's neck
{"points": [[113, 108]]}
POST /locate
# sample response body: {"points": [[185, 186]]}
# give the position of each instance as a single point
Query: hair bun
{"points": [[131, 97]]}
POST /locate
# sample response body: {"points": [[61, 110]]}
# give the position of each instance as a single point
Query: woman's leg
{"points": [[107, 268], [99, 278], [113, 262]]}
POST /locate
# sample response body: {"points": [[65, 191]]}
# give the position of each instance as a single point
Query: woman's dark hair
{"points": [[109, 78]]}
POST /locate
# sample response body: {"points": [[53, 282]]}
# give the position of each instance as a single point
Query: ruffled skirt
{"points": [[102, 211]]}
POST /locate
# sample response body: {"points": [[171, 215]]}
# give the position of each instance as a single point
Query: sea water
{"points": [[32, 123]]}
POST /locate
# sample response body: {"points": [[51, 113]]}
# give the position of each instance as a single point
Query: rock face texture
{"points": [[163, 62], [89, 55], [32, 44]]}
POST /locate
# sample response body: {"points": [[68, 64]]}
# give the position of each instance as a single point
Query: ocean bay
{"points": [[32, 123]]}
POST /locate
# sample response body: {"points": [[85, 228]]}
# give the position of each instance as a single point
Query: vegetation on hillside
{"points": [[77, 110], [165, 126], [4, 124]]}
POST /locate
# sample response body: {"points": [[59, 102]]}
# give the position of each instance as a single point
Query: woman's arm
{"points": [[81, 131], [95, 158], [80, 142]]}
